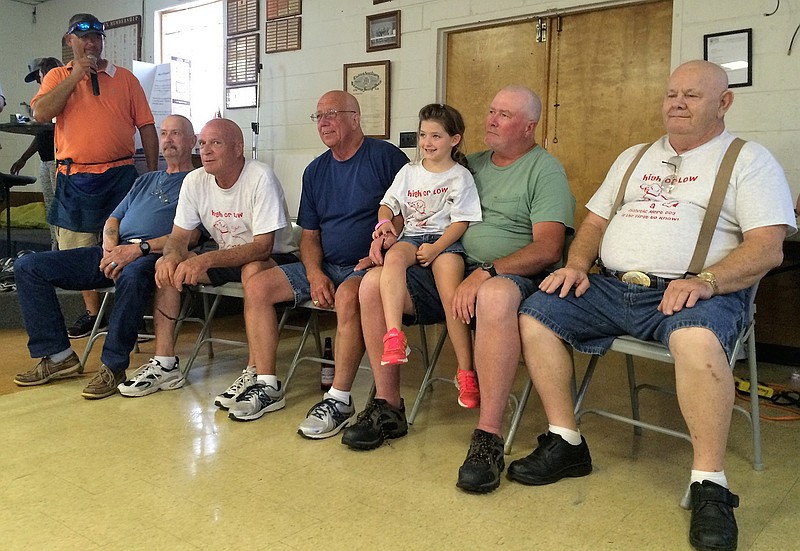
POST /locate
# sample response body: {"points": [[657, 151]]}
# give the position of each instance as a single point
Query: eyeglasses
{"points": [[83, 26], [675, 163], [327, 115]]}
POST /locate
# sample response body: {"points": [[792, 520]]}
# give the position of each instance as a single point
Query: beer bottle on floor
{"points": [[326, 370]]}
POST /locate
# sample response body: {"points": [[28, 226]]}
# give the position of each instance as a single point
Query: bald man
{"points": [[241, 205], [645, 290]]}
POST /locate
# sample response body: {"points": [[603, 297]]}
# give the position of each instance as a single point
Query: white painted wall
{"points": [[16, 41], [333, 34]]}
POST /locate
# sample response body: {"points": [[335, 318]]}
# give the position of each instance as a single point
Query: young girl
{"points": [[436, 199]]}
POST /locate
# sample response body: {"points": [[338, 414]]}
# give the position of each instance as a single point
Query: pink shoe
{"points": [[395, 348], [469, 396]]}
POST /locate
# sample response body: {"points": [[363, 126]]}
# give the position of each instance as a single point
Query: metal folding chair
{"points": [[205, 337], [96, 333], [745, 349]]}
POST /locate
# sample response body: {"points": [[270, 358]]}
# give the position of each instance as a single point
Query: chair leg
{"points": [[311, 327], [755, 414], [521, 403], [637, 430], [205, 331], [96, 333], [430, 362], [587, 378]]}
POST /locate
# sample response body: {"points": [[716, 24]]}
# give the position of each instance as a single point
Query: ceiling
{"points": [[31, 2]]}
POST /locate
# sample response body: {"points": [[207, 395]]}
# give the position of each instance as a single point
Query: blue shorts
{"points": [[418, 240], [425, 297], [296, 274], [611, 308]]}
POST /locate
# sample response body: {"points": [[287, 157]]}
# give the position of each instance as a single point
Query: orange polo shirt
{"points": [[98, 129]]}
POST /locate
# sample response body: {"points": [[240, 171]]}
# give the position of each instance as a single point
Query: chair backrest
{"points": [[740, 350], [297, 231]]}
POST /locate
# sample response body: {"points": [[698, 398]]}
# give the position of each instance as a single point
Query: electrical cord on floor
{"points": [[772, 396]]}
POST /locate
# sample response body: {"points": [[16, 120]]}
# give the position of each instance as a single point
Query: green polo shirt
{"points": [[513, 198]]}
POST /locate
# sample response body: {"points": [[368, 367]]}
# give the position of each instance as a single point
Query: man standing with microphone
{"points": [[94, 138]]}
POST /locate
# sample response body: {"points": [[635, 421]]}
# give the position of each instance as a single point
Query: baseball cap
{"points": [[82, 24], [41, 63]]}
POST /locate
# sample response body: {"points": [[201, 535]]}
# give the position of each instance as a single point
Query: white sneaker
{"points": [[257, 400], [151, 377], [242, 383], [326, 418]]}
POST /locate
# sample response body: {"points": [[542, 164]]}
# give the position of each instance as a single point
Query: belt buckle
{"points": [[636, 278]]}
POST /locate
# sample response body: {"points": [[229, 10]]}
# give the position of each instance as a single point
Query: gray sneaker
{"points": [[103, 384], [152, 377], [242, 383], [47, 370], [256, 401], [326, 418]]}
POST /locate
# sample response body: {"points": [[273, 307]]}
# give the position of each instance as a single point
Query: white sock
{"points": [[699, 476], [269, 380], [61, 356], [340, 395], [717, 477], [166, 361], [571, 436]]}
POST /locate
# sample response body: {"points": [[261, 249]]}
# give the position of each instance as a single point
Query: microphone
{"points": [[93, 75]]}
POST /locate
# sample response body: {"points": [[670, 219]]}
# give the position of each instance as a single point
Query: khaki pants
{"points": [[68, 239]]}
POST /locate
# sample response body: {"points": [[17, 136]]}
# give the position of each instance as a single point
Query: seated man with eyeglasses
{"points": [[643, 225], [133, 236], [342, 189]]}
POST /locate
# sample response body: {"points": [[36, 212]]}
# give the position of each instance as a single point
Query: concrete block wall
{"points": [[333, 33]]}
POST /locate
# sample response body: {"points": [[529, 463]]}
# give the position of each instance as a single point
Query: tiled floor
{"points": [[171, 471]]}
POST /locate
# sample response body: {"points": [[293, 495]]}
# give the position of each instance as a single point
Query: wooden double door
{"points": [[601, 75]]}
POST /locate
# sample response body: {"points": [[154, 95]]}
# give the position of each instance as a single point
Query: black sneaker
{"points": [[481, 470], [713, 526], [378, 422], [83, 326], [553, 459]]}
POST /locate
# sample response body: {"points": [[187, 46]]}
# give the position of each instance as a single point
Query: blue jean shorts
{"points": [[429, 238], [296, 274], [425, 297], [611, 308]]}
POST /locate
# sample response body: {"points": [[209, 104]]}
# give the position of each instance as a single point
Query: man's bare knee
{"points": [[346, 299]]}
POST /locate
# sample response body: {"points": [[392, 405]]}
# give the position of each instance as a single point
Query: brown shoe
{"points": [[47, 370], [103, 384]]}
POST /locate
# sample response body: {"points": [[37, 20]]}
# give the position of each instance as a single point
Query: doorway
{"points": [[601, 76]]}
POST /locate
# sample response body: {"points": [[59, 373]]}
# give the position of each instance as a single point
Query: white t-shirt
{"points": [[254, 205], [431, 201], [656, 229]]}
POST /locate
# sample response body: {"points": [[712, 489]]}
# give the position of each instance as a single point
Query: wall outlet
{"points": [[408, 139]]}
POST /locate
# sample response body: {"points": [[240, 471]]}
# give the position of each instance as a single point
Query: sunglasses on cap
{"points": [[83, 26]]}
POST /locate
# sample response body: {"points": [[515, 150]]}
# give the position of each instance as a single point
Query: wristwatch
{"points": [[144, 246], [711, 279], [489, 267]]}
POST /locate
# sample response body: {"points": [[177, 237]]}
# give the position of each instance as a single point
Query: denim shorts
{"points": [[425, 297], [221, 276], [296, 274], [611, 308], [429, 238]]}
